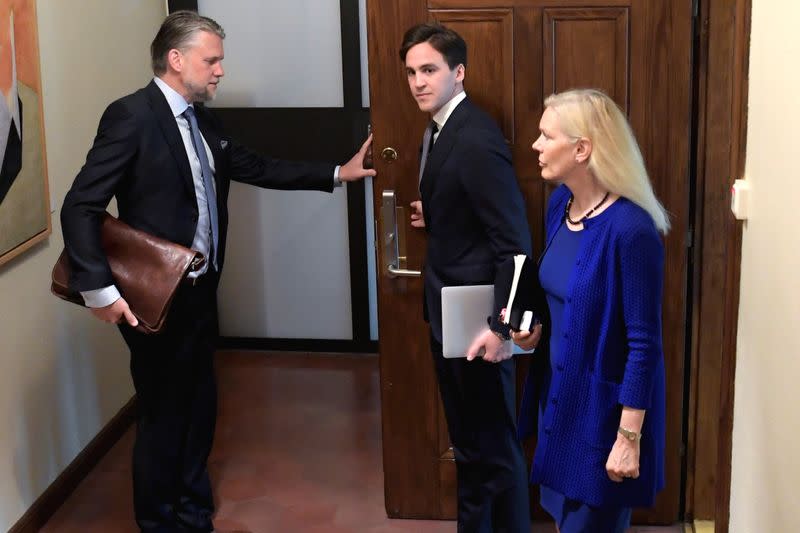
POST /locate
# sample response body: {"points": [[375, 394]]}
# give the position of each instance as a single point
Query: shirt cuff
{"points": [[101, 297], [336, 181]]}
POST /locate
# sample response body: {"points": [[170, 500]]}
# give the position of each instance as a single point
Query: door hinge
{"points": [[690, 238]]}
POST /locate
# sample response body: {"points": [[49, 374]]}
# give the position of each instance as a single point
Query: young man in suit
{"points": [[169, 165], [474, 215]]}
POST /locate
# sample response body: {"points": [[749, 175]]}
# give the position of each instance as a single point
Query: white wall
{"points": [[64, 375], [287, 270], [766, 424]]}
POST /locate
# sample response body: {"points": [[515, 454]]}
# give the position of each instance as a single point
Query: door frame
{"points": [[722, 44]]}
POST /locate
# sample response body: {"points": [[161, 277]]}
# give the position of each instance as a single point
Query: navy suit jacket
{"points": [[473, 208], [139, 157]]}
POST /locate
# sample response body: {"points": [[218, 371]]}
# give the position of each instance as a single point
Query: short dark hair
{"points": [[446, 41], [178, 31]]}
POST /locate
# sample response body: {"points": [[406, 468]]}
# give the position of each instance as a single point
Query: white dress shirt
{"points": [[202, 235], [441, 116]]}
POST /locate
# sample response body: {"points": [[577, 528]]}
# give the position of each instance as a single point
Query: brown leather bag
{"points": [[146, 269]]}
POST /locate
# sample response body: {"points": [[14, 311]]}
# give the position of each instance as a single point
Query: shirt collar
{"points": [[177, 103], [441, 116]]}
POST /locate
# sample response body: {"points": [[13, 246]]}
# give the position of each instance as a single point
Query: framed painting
{"points": [[24, 195]]}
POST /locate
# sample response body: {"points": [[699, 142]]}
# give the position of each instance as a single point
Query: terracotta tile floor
{"points": [[297, 449]]}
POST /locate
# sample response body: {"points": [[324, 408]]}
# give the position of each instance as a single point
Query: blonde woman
{"points": [[598, 379]]}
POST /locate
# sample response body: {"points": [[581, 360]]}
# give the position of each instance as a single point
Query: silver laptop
{"points": [[464, 313]]}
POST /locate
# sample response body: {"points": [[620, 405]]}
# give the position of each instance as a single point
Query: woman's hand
{"points": [[527, 340], [623, 461]]}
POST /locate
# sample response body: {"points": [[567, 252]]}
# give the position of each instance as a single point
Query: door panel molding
{"points": [[605, 31], [491, 59]]}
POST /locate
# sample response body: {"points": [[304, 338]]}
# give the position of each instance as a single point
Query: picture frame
{"points": [[24, 189]]}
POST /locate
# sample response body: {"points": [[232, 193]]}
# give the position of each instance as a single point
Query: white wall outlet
{"points": [[740, 199]]}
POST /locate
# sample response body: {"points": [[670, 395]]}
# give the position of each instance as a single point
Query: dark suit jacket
{"points": [[474, 210], [139, 157]]}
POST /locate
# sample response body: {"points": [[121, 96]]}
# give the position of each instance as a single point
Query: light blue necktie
{"points": [[208, 181]]}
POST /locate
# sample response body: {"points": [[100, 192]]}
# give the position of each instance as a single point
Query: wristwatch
{"points": [[502, 336], [628, 434]]}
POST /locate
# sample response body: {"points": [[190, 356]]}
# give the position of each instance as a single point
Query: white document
{"points": [[519, 260]]}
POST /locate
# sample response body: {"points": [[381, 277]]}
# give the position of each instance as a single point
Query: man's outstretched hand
{"points": [[354, 169]]}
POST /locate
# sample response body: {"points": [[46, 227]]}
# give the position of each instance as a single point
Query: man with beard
{"points": [[169, 164]]}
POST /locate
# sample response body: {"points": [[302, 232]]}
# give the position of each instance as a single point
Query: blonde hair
{"points": [[615, 161]]}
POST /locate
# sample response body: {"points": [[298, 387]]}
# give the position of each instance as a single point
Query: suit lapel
{"points": [[444, 145], [166, 121]]}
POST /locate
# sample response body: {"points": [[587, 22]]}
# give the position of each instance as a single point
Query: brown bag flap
{"points": [[146, 269]]}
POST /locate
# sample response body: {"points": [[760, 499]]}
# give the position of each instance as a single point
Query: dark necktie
{"points": [[208, 181], [427, 146]]}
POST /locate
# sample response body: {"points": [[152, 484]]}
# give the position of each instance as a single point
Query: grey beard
{"points": [[203, 95]]}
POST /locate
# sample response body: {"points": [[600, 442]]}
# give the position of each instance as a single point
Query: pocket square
{"points": [[223, 144]]}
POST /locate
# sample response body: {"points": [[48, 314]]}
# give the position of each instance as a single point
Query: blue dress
{"points": [[555, 272]]}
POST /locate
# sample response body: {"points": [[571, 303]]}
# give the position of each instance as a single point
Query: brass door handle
{"points": [[389, 154]]}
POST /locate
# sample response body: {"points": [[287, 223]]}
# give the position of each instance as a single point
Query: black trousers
{"points": [[479, 404], [173, 374]]}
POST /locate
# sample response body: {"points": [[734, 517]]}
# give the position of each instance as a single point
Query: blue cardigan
{"points": [[611, 356]]}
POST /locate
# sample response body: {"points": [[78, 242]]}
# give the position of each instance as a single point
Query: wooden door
{"points": [[520, 51]]}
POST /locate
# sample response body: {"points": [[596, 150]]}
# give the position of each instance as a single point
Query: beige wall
{"points": [[766, 431], [63, 375]]}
